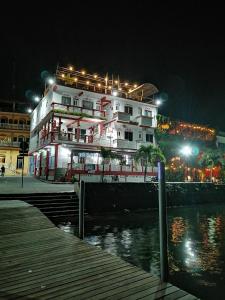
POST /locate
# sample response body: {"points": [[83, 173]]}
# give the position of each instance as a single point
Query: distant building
{"points": [[220, 140], [14, 129], [80, 113]]}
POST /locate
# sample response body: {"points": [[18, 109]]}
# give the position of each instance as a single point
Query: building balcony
{"points": [[124, 144], [9, 144], [144, 121], [122, 116], [22, 127], [78, 111]]}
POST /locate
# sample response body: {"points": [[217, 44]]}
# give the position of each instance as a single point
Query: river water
{"points": [[196, 241]]}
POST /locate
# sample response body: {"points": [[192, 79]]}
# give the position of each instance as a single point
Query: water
{"points": [[196, 245]]}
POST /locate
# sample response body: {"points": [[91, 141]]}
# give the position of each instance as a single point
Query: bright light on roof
{"points": [[186, 150], [29, 110], [51, 81], [158, 102], [36, 98]]}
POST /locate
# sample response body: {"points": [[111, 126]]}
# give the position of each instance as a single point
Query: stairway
{"points": [[58, 207]]}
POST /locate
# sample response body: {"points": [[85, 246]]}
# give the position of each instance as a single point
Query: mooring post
{"points": [[163, 238], [81, 209]]}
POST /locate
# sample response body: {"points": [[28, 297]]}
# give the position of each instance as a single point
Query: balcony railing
{"points": [[120, 143], [145, 121], [78, 111], [122, 116], [71, 137], [9, 144], [14, 126]]}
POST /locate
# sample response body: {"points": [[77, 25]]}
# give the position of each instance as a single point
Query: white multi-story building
{"points": [[79, 114]]}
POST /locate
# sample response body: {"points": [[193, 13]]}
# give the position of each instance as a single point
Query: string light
{"points": [[95, 76], [116, 81], [99, 84], [75, 79], [83, 72], [63, 75], [126, 84], [87, 82], [135, 85], [71, 68]]}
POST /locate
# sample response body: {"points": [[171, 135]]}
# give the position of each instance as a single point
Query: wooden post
{"points": [[163, 223], [81, 209]]}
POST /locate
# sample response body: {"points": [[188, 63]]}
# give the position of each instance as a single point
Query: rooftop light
{"points": [[29, 110], [83, 72], [36, 98], [51, 81], [158, 102]]}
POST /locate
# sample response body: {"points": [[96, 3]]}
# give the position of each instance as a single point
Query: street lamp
{"points": [[29, 110]]}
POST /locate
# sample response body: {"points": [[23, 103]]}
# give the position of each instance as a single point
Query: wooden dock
{"points": [[40, 261]]}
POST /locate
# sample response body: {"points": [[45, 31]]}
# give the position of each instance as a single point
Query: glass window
{"points": [[118, 133], [15, 139], [75, 102], [10, 121], [139, 111], [128, 110], [129, 136], [20, 138], [19, 163], [27, 140], [28, 122], [15, 121], [149, 137], [148, 113], [87, 104], [140, 135], [66, 100]]}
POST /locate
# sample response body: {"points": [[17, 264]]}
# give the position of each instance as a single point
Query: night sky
{"points": [[179, 48]]}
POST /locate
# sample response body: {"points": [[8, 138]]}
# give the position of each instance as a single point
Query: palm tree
{"points": [[149, 155], [106, 154], [209, 159]]}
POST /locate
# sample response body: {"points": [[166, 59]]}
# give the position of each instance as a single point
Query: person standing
{"points": [[3, 170]]}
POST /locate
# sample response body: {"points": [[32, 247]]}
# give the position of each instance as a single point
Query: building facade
{"points": [[79, 114], [14, 129]]}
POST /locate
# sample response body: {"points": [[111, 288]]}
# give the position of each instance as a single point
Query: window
{"points": [[66, 100], [117, 106], [87, 104], [20, 138], [15, 121], [129, 136], [75, 101], [98, 107], [2, 159], [140, 136], [28, 122], [148, 113], [128, 110], [27, 140], [10, 121], [118, 133], [19, 163], [149, 137], [139, 111], [15, 139]]}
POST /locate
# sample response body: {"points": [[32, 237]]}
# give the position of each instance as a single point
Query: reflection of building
{"points": [[83, 112], [14, 128]]}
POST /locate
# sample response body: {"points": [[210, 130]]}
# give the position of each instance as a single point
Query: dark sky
{"points": [[179, 48]]}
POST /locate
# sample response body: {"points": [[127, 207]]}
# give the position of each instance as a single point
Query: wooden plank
{"points": [[40, 261]]}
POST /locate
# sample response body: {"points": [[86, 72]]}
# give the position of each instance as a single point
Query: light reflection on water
{"points": [[196, 245]]}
